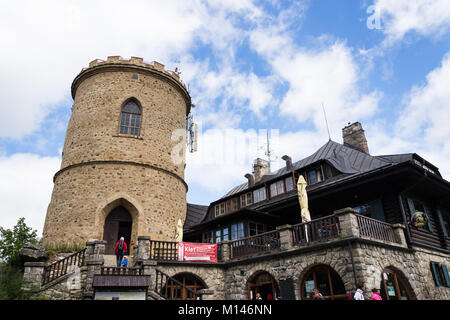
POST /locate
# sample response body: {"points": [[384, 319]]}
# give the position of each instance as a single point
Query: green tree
{"points": [[11, 268], [11, 241]]}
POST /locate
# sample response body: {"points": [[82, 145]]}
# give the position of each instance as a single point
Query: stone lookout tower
{"points": [[117, 176]]}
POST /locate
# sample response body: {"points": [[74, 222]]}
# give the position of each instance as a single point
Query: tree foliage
{"points": [[11, 241]]}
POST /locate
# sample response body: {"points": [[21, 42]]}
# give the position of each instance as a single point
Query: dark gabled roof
{"points": [[347, 160], [194, 215], [397, 158]]}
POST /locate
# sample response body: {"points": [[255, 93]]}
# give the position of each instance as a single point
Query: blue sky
{"points": [[250, 66]]}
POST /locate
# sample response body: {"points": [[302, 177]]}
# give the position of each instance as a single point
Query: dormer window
{"points": [[277, 188], [289, 184], [315, 175], [231, 205], [246, 199], [219, 209], [130, 118], [259, 195]]}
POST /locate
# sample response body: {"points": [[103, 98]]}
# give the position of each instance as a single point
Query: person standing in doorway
{"points": [[119, 250]]}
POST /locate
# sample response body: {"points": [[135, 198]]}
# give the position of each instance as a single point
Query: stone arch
{"points": [[264, 283], [189, 280], [120, 200], [318, 274], [401, 282]]}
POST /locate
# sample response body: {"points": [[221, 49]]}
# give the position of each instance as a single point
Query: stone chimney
{"points": [[260, 168], [251, 180], [353, 136], [288, 162]]}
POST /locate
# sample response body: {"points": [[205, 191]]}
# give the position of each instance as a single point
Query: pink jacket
{"points": [[376, 296]]}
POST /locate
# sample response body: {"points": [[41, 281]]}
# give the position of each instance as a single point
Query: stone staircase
{"points": [[110, 260]]}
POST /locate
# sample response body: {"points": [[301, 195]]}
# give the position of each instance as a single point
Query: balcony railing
{"points": [[62, 267], [316, 230], [376, 229], [116, 271], [163, 250], [255, 244], [345, 223]]}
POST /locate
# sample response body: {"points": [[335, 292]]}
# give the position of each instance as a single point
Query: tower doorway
{"points": [[118, 224]]}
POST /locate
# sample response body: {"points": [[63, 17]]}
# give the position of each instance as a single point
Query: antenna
{"points": [[191, 133], [326, 122], [177, 67], [269, 152]]}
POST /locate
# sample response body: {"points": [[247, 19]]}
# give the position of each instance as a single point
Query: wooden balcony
{"points": [[343, 224]]}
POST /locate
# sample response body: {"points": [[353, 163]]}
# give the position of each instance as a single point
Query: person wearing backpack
{"points": [[119, 250]]}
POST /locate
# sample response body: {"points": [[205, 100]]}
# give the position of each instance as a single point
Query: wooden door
{"points": [[110, 235]]}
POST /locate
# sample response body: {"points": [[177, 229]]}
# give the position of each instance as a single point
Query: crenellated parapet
{"points": [[137, 64]]}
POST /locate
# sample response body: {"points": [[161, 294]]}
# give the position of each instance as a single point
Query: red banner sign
{"points": [[197, 252]]}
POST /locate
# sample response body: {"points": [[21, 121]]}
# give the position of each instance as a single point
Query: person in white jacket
{"points": [[359, 294]]}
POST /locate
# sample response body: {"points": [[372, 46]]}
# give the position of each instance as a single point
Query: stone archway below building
{"points": [[264, 284], [325, 279], [395, 286]]}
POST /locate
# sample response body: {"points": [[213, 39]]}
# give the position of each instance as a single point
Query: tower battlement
{"points": [[134, 61]]}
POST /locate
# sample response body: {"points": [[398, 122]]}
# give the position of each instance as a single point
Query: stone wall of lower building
{"points": [[230, 281]]}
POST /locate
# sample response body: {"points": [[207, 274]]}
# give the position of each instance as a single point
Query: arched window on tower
{"points": [[130, 118]]}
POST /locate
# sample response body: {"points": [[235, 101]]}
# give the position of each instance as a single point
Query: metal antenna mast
{"points": [[326, 122]]}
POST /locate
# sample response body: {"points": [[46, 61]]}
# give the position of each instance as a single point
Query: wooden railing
{"points": [[255, 244], [61, 267], [163, 250], [116, 271], [172, 289], [376, 229], [316, 230]]}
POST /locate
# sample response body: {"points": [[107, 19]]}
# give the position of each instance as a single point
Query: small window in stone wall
{"points": [[130, 118], [440, 274]]}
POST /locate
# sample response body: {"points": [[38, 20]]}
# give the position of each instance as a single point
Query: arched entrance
{"points": [[264, 284], [118, 224], [326, 280], [394, 286], [178, 291]]}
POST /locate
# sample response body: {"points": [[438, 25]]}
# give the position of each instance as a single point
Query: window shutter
{"points": [[441, 221], [411, 207], [427, 212], [446, 276], [435, 273]]}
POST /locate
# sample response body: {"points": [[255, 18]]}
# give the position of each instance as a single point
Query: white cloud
{"points": [[45, 44], [327, 74], [422, 123], [25, 189], [424, 17]]}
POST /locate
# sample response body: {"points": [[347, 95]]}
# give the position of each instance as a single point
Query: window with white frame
{"points": [[259, 195], [246, 199]]}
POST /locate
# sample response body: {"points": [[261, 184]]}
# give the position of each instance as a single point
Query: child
{"points": [[125, 262], [376, 294]]}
